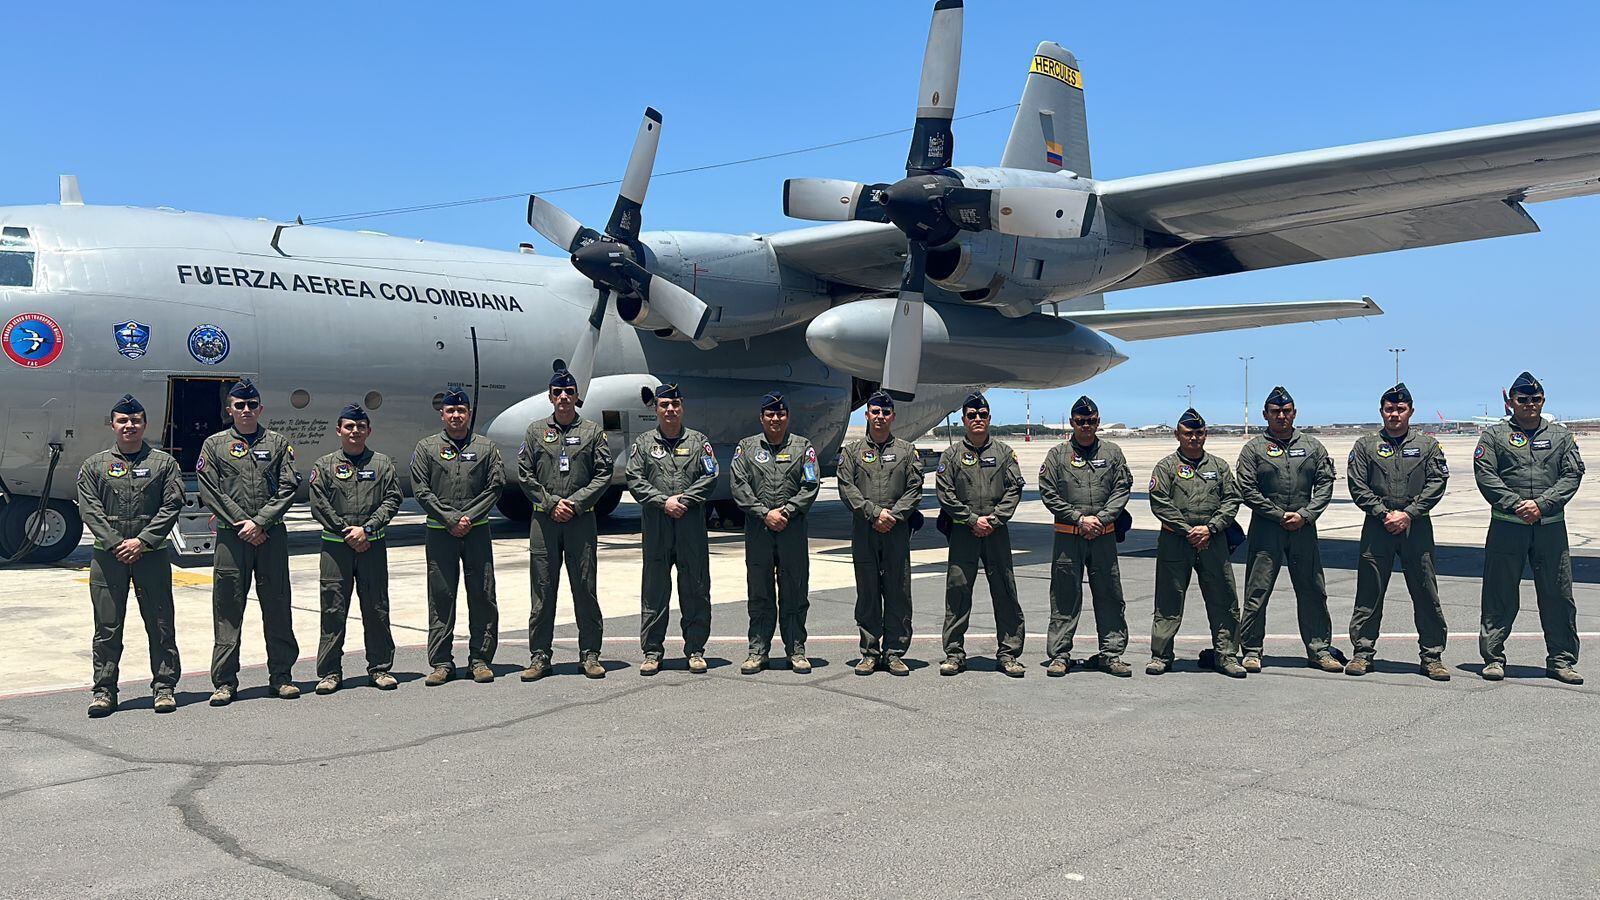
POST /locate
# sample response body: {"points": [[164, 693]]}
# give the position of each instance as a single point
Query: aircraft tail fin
{"points": [[1051, 131]]}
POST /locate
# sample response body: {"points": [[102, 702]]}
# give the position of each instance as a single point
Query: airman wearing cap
{"points": [[456, 476], [246, 477], [775, 481], [354, 493], [130, 497], [1529, 470]]}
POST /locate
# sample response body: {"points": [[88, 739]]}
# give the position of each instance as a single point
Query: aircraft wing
{"points": [[1363, 198], [1147, 324]]}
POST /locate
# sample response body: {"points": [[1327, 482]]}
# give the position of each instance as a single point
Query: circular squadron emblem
{"points": [[32, 340], [763, 456], [238, 449], [869, 455], [117, 469], [1518, 439], [1385, 451], [1274, 449], [447, 453], [209, 345], [968, 458], [343, 471], [1079, 462], [1185, 470]]}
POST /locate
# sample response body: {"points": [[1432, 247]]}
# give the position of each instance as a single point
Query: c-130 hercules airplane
{"points": [[930, 287]]}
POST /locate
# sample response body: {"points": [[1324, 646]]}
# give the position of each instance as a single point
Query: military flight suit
{"points": [[1183, 493], [345, 492], [121, 496], [250, 477], [659, 468], [874, 477], [1512, 465], [972, 482], [767, 477], [1074, 482], [451, 479], [563, 462], [1275, 478], [1406, 474]]}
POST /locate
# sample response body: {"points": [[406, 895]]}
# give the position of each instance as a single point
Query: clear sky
{"points": [[329, 108]]}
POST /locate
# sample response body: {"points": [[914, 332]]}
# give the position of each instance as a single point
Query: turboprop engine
{"points": [[965, 345]]}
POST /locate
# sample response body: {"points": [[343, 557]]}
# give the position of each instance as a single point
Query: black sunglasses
{"points": [[246, 404], [1082, 421], [1523, 400], [978, 414], [564, 391]]}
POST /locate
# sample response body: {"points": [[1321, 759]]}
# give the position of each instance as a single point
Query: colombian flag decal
{"points": [[1052, 153]]}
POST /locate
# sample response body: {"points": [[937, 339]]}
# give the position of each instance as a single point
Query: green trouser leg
{"points": [[549, 543], [966, 552], [447, 557], [680, 543], [1376, 563], [1545, 549], [1270, 546], [1069, 557], [1176, 561], [236, 563], [883, 588], [342, 571], [777, 559], [151, 578]]}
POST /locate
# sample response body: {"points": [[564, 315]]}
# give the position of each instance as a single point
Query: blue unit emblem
{"points": [[208, 344], [133, 338]]}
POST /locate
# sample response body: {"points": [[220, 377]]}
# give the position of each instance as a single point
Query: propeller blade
{"points": [[1042, 212], [583, 355], [902, 359], [688, 314], [833, 200], [624, 224], [558, 227], [932, 141]]}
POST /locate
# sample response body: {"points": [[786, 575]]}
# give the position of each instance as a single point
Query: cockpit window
{"points": [[16, 257]]}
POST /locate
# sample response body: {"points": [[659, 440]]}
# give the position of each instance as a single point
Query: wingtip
{"points": [[651, 113], [945, 4]]}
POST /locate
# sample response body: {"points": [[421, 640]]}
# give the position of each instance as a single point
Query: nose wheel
{"points": [[59, 528]]}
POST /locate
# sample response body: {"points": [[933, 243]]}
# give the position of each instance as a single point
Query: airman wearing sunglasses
{"points": [[564, 467], [246, 477], [1085, 483], [979, 486], [1529, 470]]}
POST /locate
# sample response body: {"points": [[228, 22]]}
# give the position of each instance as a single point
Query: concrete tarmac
{"points": [[1289, 783]]}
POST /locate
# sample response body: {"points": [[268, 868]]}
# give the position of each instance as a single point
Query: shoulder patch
{"points": [[1478, 453]]}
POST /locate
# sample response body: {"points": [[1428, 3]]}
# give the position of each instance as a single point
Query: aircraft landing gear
{"points": [[58, 536]]}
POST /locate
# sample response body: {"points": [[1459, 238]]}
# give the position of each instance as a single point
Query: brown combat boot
{"points": [[799, 662], [327, 684], [163, 701], [1564, 674], [284, 690], [1435, 669], [592, 667], [1059, 666], [1115, 665], [1359, 665], [1157, 667], [952, 665], [103, 704], [867, 665], [1494, 672], [1010, 667], [538, 667], [697, 663], [1251, 662], [753, 664], [897, 666], [1231, 668], [438, 676], [650, 666], [1326, 663], [222, 696], [481, 673], [383, 681]]}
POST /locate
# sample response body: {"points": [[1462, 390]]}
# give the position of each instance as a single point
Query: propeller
{"points": [[931, 205], [614, 260]]}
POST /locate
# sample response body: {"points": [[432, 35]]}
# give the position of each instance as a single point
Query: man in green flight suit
{"points": [[130, 497], [1085, 483], [1529, 470], [671, 471], [564, 466], [775, 481], [1286, 478], [456, 476], [1194, 496], [880, 480], [354, 493], [979, 485], [1397, 476], [246, 477]]}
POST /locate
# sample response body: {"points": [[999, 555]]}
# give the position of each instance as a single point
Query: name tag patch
{"points": [[141, 473], [888, 457], [366, 475], [1209, 476], [1100, 463], [1298, 451], [1541, 445], [469, 457], [572, 440], [989, 462], [262, 455], [1411, 452]]}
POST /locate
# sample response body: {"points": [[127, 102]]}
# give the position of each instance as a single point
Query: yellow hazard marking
{"points": [[1055, 68], [180, 578]]}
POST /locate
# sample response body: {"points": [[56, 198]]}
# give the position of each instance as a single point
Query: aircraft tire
{"points": [[63, 529], [514, 505]]}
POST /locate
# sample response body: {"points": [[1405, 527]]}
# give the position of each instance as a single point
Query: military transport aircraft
{"points": [[952, 278]]}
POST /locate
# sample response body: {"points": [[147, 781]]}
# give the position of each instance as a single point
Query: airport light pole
{"points": [[1191, 396], [1397, 351], [1246, 418]]}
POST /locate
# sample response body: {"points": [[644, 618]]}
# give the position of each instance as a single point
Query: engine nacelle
{"points": [[738, 276]]}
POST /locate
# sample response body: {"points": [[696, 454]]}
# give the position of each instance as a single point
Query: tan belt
{"points": [[1063, 528]]}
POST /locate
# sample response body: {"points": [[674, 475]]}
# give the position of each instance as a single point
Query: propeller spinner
{"points": [[613, 259]]}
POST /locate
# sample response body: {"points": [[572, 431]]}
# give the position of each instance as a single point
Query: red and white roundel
{"points": [[32, 340]]}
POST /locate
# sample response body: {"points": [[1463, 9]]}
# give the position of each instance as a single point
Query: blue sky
{"points": [[322, 109]]}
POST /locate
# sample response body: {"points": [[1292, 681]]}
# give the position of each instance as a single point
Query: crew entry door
{"points": [[195, 411]]}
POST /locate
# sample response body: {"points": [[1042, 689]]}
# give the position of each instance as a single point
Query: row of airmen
{"points": [[130, 497]]}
